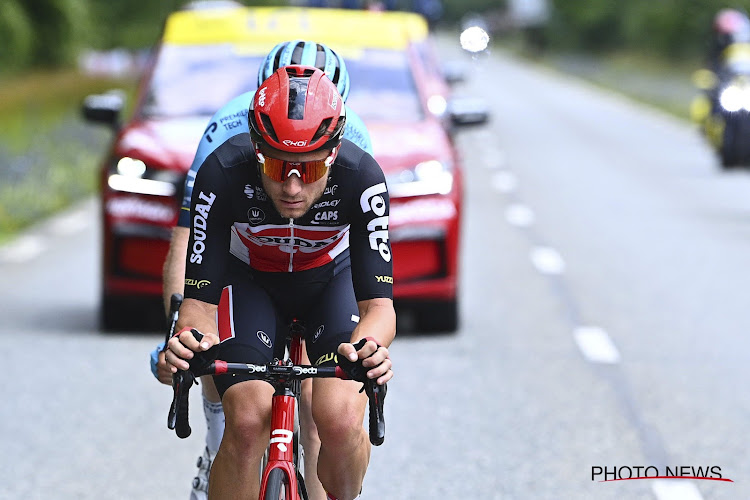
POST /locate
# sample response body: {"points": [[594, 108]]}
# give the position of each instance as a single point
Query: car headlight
{"points": [[735, 97], [133, 176], [428, 177]]}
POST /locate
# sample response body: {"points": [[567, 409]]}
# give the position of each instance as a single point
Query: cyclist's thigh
{"points": [[247, 323], [331, 320]]}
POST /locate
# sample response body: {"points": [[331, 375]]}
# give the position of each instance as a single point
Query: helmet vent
{"points": [[268, 126], [321, 129]]}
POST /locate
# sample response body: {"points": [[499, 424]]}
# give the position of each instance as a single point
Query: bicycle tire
{"points": [[277, 486]]}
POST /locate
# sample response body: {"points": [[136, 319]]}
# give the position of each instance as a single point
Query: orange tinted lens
{"points": [[313, 170], [274, 169], [309, 171]]}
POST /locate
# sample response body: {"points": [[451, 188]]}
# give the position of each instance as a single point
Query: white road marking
{"points": [[494, 158], [505, 182], [547, 260], [675, 489], [519, 215], [596, 345], [69, 223], [23, 249]]}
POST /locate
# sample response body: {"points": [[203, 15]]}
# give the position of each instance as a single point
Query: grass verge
{"points": [[49, 156]]}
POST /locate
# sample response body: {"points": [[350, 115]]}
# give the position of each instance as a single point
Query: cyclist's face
{"points": [[292, 197]]}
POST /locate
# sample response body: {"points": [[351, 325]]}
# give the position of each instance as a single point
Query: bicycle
{"points": [[282, 473]]}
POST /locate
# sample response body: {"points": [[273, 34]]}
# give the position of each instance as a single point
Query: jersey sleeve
{"points": [[210, 226], [229, 121], [370, 248], [356, 131]]}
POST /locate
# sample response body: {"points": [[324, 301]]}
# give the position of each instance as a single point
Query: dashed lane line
{"points": [[547, 260], [23, 249], [675, 489], [596, 345], [519, 215], [505, 182]]}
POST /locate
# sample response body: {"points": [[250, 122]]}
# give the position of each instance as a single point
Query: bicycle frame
{"points": [[281, 453]]}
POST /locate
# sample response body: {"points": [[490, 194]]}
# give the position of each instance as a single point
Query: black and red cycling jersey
{"points": [[232, 215]]}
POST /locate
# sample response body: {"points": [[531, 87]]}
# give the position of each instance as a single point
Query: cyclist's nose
{"points": [[293, 183]]}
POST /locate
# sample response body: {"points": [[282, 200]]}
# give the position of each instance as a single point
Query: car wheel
{"points": [[437, 316], [125, 313], [734, 149]]}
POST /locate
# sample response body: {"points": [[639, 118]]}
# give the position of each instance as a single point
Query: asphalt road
{"points": [[604, 299]]}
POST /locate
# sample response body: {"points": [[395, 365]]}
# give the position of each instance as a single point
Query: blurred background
{"points": [[570, 224], [58, 51]]}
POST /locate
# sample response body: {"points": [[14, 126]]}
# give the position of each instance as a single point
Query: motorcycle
{"points": [[722, 111]]}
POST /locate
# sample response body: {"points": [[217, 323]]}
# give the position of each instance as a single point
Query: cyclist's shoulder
{"points": [[235, 151], [237, 105], [356, 131], [356, 166]]}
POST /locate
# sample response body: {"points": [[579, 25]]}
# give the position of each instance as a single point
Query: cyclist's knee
{"points": [[339, 420], [247, 407]]}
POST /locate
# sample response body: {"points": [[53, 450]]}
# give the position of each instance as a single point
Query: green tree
{"points": [[16, 36], [60, 27]]}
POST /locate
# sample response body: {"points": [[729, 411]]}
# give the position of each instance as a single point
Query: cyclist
{"points": [[290, 221], [306, 53]]}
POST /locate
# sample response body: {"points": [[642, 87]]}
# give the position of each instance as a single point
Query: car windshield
{"points": [[382, 86], [191, 80], [194, 80]]}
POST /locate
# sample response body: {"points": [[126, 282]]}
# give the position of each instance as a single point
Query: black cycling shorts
{"points": [[256, 309]]}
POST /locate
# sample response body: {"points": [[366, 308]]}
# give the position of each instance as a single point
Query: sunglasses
{"points": [[308, 171]]}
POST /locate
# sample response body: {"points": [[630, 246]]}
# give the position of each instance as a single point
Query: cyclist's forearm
{"points": [[377, 319], [174, 265]]}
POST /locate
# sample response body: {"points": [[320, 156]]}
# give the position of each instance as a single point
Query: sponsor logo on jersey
{"points": [[331, 190], [326, 215], [265, 338], [384, 279], [327, 203], [196, 283], [249, 191], [372, 201], [318, 333], [256, 216], [290, 245], [200, 221]]}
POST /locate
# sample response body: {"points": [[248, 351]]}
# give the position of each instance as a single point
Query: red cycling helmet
{"points": [[297, 109]]}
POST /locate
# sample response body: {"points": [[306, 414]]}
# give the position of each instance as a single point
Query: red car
{"points": [[397, 89]]}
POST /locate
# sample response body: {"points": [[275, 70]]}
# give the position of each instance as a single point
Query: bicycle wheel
{"points": [[277, 487]]}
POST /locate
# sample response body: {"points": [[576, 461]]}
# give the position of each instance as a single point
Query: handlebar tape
{"points": [[178, 419]]}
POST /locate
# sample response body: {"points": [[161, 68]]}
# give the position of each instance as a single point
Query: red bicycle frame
{"points": [[281, 445]]}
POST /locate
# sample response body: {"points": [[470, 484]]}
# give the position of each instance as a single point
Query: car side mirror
{"points": [[454, 72], [104, 108], [468, 111]]}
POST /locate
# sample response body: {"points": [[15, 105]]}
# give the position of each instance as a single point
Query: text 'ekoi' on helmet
{"points": [[307, 53], [297, 110]]}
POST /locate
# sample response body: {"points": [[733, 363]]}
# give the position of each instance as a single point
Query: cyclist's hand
{"points": [[374, 358], [163, 373], [182, 347], [159, 366]]}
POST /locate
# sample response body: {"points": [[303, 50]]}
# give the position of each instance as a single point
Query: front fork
{"points": [[282, 445]]}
